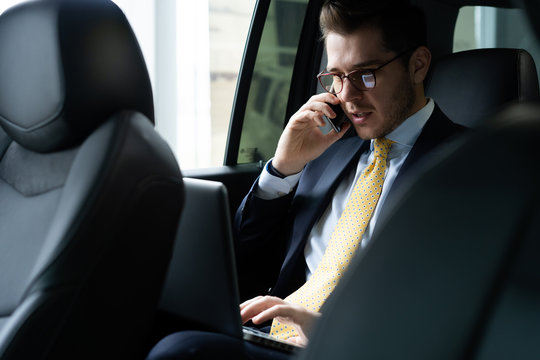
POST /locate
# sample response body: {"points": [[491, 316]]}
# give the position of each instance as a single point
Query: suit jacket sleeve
{"points": [[261, 228]]}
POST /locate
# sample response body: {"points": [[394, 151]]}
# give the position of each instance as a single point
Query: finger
{"points": [[283, 311], [247, 302], [257, 306], [325, 97], [323, 108], [311, 117], [247, 311], [297, 340], [318, 119], [319, 104]]}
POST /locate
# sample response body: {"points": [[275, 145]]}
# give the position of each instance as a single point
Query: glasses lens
{"points": [[330, 83], [362, 80], [368, 80]]}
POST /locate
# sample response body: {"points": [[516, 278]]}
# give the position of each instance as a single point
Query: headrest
{"points": [[531, 9], [67, 66], [471, 85]]}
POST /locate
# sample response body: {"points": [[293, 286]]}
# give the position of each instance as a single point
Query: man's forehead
{"points": [[362, 48]]}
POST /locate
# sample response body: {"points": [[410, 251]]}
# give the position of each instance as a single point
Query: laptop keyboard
{"points": [[263, 338]]}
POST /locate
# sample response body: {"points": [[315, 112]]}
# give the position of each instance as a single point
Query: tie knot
{"points": [[381, 147]]}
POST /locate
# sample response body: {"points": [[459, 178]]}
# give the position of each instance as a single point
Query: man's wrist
{"points": [[273, 171], [274, 185]]}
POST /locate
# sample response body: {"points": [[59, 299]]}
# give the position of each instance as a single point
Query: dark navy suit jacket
{"points": [[271, 235]]}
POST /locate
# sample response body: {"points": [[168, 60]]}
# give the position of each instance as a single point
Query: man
{"points": [[377, 62]]}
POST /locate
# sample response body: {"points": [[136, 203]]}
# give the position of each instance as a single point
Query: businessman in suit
{"points": [[377, 62]]}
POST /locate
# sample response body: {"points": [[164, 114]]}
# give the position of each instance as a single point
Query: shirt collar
{"points": [[409, 130]]}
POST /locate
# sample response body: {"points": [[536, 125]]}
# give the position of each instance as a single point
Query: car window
{"points": [[193, 52], [489, 27], [265, 109], [6, 4]]}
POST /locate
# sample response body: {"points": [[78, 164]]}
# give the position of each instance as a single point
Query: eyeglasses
{"points": [[362, 80]]}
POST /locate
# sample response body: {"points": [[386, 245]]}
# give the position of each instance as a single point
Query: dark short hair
{"points": [[403, 26]]}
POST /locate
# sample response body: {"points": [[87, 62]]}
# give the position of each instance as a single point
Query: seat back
{"points": [[453, 272], [90, 194], [471, 85]]}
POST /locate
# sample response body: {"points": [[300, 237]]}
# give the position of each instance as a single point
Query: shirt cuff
{"points": [[272, 187]]}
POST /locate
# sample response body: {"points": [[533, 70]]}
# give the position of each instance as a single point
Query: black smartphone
{"points": [[338, 121]]}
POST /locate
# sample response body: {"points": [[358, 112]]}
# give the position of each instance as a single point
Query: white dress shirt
{"points": [[404, 137]]}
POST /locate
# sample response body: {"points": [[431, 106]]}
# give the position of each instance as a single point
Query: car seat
{"points": [[90, 194], [469, 86]]}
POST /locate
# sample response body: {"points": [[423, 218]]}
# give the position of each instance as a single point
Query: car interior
{"points": [[92, 197]]}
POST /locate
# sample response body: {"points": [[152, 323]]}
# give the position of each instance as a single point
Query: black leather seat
{"points": [[454, 271], [90, 194], [469, 86]]}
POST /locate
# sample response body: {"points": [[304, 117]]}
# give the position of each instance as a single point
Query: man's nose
{"points": [[349, 92]]}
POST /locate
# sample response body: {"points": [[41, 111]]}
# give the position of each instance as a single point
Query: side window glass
{"points": [[269, 89], [489, 27]]}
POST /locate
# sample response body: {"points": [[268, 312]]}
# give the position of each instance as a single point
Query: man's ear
{"points": [[419, 64]]}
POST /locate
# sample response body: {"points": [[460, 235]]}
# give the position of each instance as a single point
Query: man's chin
{"points": [[368, 134]]}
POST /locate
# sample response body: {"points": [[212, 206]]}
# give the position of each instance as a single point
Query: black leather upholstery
{"points": [[55, 102], [471, 85], [90, 194], [453, 273]]}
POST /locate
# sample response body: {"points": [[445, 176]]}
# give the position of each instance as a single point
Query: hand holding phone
{"points": [[308, 133]]}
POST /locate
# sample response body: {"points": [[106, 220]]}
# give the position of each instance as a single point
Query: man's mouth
{"points": [[360, 117], [361, 114]]}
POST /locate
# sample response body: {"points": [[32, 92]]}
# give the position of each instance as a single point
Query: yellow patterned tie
{"points": [[344, 240]]}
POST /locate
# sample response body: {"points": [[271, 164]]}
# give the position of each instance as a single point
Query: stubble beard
{"points": [[402, 101]]}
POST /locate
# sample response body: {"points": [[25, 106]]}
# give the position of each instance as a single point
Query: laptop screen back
{"points": [[201, 284]]}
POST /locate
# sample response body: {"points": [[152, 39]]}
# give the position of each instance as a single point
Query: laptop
{"points": [[201, 285]]}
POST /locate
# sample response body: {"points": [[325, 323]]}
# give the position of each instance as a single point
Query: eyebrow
{"points": [[359, 65]]}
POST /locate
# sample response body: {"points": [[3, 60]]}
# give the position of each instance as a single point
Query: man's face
{"points": [[376, 112]]}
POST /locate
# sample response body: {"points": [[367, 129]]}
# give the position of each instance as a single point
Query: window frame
{"points": [[245, 77], [303, 82]]}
